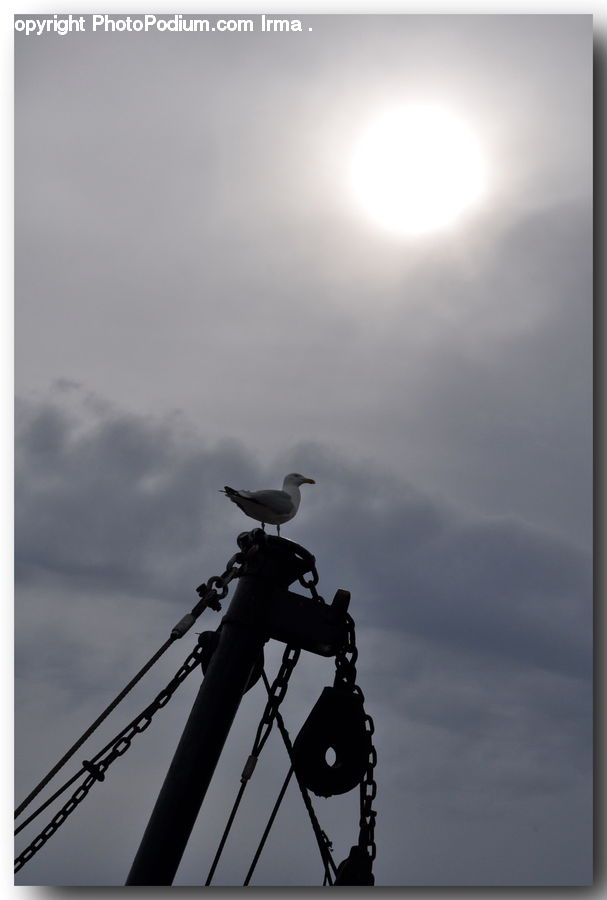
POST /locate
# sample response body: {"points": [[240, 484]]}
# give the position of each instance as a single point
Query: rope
{"points": [[261, 737], [210, 596], [116, 748], [268, 826], [226, 832], [89, 731], [49, 801], [322, 840], [276, 694], [80, 772]]}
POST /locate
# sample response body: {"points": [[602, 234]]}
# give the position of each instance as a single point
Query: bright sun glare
{"points": [[417, 169]]}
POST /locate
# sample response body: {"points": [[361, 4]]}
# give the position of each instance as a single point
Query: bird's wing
{"points": [[277, 502]]}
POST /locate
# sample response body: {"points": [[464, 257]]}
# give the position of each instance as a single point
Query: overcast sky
{"points": [[200, 301]]}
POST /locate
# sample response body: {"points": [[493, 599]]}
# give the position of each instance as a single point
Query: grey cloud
{"points": [[113, 499], [134, 504], [187, 249], [473, 635], [483, 368], [213, 304]]}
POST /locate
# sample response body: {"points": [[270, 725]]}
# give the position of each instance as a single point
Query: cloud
{"points": [[114, 498], [474, 637], [199, 250]]}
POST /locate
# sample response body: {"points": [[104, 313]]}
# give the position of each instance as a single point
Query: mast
{"points": [[262, 607]]}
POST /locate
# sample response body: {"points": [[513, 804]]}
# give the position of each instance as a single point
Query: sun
{"points": [[417, 169]]}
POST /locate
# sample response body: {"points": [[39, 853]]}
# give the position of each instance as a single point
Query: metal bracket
{"points": [[303, 622]]}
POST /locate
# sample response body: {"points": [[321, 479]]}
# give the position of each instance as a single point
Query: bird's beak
{"points": [[309, 481]]}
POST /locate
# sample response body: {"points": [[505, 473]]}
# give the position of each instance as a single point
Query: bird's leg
{"points": [[263, 526], [278, 530]]}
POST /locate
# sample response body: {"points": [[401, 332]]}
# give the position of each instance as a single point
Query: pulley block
{"points": [[336, 725]]}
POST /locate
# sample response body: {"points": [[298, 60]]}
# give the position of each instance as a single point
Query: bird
{"points": [[270, 507]]}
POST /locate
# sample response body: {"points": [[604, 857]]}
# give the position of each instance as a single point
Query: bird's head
{"points": [[296, 479]]}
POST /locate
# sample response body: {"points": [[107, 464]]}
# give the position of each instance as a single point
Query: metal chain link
{"points": [[210, 596], [345, 659], [324, 843], [345, 675], [311, 582], [276, 693], [103, 761], [368, 792], [213, 591], [210, 593], [217, 586]]}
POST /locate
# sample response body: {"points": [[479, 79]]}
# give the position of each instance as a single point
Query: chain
{"points": [[213, 591], [276, 693], [217, 587], [345, 675], [210, 596], [311, 582], [324, 844], [103, 760], [345, 659], [368, 792]]}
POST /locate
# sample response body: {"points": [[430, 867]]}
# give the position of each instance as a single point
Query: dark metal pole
{"points": [[240, 644]]}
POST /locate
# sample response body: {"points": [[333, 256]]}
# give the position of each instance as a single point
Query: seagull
{"points": [[271, 507]]}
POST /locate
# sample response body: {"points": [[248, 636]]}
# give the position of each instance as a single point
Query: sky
{"points": [[201, 301]]}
